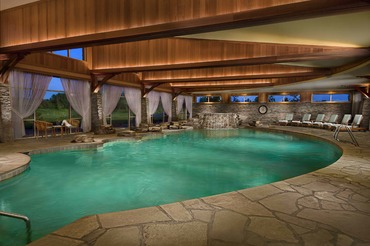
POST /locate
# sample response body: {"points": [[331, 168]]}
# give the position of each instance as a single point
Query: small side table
{"points": [[61, 129]]}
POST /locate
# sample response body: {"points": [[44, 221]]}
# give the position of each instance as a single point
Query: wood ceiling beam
{"points": [[269, 15], [323, 72], [315, 56]]}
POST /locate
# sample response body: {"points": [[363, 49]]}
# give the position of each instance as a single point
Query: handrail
{"points": [[17, 216], [348, 128]]}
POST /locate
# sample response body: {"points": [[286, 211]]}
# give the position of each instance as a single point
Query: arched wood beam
{"points": [[322, 72], [268, 15], [364, 91], [145, 91], [98, 83], [313, 56], [9, 65]]}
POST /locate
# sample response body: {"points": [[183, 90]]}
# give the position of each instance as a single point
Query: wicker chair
{"points": [[43, 127]]}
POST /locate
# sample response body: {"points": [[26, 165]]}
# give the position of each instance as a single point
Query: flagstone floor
{"points": [[330, 206]]}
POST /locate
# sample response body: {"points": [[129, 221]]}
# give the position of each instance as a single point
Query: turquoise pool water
{"points": [[61, 187]]}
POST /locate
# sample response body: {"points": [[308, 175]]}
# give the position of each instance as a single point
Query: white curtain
{"points": [[110, 97], [189, 105], [166, 99], [180, 102], [133, 98], [27, 92], [153, 101], [78, 95]]}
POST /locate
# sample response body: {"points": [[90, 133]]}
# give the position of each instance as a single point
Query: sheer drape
{"points": [[78, 95], [153, 101], [133, 98], [27, 92], [110, 97], [166, 99], [189, 105], [180, 102]]}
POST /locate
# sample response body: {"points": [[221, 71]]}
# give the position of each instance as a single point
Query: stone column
{"points": [[366, 113], [96, 112], [174, 110], [6, 130], [144, 110]]}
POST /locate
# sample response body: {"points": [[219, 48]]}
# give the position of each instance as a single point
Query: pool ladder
{"points": [[348, 129], [17, 216]]}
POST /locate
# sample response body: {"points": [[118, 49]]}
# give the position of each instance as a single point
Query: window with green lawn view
{"points": [[54, 108], [122, 116]]}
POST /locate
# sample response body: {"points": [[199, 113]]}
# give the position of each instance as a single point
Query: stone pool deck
{"points": [[330, 206]]}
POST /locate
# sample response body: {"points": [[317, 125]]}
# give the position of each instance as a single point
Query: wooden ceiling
{"points": [[135, 41]]}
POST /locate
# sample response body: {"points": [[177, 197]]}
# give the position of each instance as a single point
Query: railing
{"points": [[348, 128], [17, 216]]}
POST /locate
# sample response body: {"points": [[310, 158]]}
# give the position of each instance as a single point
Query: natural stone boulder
{"points": [[83, 139], [126, 133]]}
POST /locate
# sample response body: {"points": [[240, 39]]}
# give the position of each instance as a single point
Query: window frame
{"points": [[284, 95], [69, 54], [331, 96], [208, 97], [244, 95]]}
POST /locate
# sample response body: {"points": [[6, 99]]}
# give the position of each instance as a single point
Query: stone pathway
{"points": [[330, 206]]}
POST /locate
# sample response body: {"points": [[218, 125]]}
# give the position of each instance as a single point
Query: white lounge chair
{"points": [[306, 117], [287, 120], [332, 120], [345, 120], [355, 125], [319, 118]]}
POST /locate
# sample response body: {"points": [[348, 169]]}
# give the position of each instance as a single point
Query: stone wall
{"points": [[96, 112], [249, 112], [366, 113], [216, 121], [6, 130]]}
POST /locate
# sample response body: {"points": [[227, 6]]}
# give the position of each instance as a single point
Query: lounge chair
{"points": [[43, 127], [345, 120], [332, 120], [355, 126], [319, 118], [287, 120], [306, 117], [345, 127]]}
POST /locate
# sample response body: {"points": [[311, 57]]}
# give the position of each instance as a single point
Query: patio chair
{"points": [[345, 120], [319, 118], [72, 124], [43, 127], [355, 126], [333, 120], [306, 117], [287, 120]]}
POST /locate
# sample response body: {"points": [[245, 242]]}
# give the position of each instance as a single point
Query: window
{"points": [[122, 116], [207, 99], [54, 108], [240, 99], [343, 97], [71, 53], [285, 98]]}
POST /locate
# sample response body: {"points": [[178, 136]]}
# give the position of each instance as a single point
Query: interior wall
{"points": [[276, 111]]}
